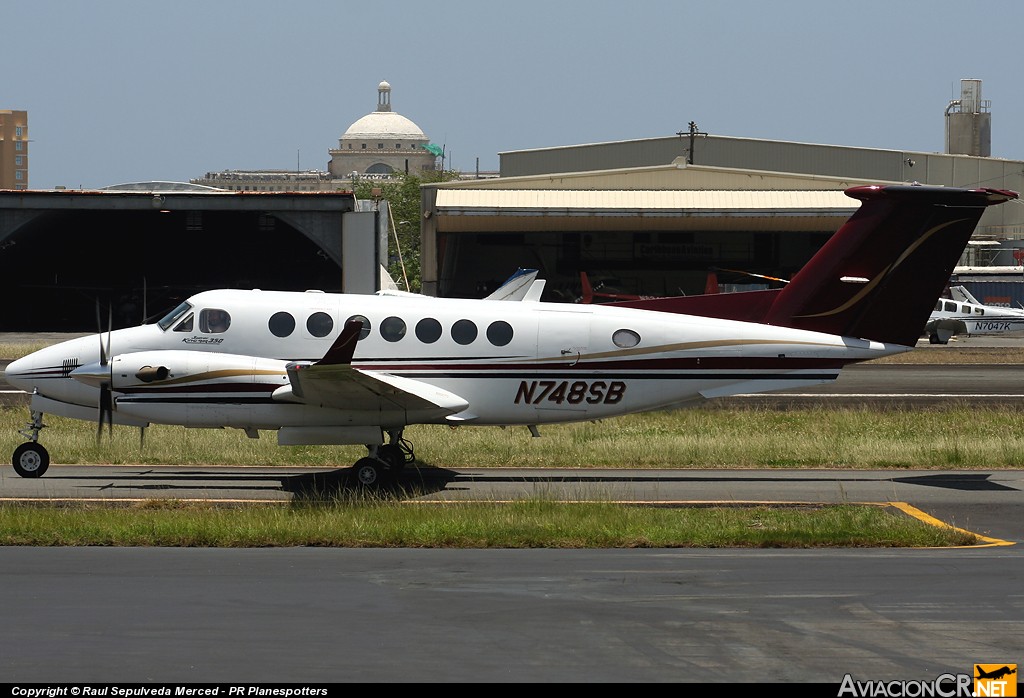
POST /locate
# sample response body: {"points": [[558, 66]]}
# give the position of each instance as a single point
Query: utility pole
{"points": [[692, 133]]}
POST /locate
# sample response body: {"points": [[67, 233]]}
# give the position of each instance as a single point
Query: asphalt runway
{"points": [[333, 616]]}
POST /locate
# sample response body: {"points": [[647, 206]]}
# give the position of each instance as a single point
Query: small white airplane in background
{"points": [[965, 314], [522, 285], [322, 368]]}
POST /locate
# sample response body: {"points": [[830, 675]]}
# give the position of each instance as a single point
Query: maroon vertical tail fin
{"points": [[878, 277]]}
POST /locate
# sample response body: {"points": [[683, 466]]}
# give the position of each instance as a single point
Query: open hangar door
{"points": [[647, 243], [58, 263]]}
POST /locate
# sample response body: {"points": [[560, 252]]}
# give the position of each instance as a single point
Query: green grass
{"points": [[953, 435], [523, 524], [703, 437]]}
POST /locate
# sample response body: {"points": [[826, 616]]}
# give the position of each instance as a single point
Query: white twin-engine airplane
{"points": [[351, 369], [965, 314]]}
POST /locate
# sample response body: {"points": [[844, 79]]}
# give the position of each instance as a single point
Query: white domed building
{"points": [[380, 144]]}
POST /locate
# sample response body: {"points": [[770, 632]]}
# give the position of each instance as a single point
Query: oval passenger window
{"points": [[464, 331], [392, 329], [319, 324], [365, 332], [625, 338], [281, 324], [499, 333], [428, 330]]}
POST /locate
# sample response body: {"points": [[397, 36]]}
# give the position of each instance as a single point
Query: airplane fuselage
{"points": [[952, 317], [509, 362]]}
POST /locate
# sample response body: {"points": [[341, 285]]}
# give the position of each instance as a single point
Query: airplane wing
{"points": [[333, 382], [940, 329]]}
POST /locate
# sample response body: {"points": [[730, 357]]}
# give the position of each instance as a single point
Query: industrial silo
{"points": [[969, 122]]}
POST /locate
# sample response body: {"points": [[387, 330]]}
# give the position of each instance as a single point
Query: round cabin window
{"points": [[464, 331], [428, 330], [392, 329]]}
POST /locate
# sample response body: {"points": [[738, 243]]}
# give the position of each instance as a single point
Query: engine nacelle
{"points": [[185, 372]]}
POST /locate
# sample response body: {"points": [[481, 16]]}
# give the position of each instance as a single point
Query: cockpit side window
{"points": [[214, 320], [173, 316], [186, 324]]}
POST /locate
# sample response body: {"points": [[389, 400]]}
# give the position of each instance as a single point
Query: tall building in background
{"points": [[13, 149]]}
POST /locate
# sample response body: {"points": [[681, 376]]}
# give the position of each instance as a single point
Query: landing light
{"points": [[853, 279]]}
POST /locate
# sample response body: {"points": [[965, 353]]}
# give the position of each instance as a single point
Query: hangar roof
{"points": [[460, 210]]}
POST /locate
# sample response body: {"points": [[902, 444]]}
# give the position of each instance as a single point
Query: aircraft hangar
{"points": [[656, 232], [640, 218], [138, 250]]}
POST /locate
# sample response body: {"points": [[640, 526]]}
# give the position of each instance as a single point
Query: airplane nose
{"points": [[18, 373]]}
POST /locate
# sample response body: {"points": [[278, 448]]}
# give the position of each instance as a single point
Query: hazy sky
{"points": [[123, 91]]}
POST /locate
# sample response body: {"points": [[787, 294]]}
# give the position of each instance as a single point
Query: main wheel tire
{"points": [[392, 455], [369, 473], [30, 460]]}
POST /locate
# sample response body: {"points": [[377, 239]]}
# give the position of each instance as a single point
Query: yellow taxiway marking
{"points": [[932, 521]]}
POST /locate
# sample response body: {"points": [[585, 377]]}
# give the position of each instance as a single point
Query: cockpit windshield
{"points": [[170, 318]]}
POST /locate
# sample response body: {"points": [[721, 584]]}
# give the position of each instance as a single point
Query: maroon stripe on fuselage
{"points": [[687, 364]]}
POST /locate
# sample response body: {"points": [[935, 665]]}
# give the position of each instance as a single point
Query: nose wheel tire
{"points": [[30, 460]]}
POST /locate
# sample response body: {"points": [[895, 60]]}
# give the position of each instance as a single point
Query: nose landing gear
{"points": [[31, 459]]}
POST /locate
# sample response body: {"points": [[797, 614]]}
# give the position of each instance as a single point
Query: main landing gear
{"points": [[31, 459], [383, 462]]}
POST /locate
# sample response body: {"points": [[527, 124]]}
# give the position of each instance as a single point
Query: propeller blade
{"points": [[106, 396], [106, 412], [99, 333], [110, 415], [110, 327]]}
